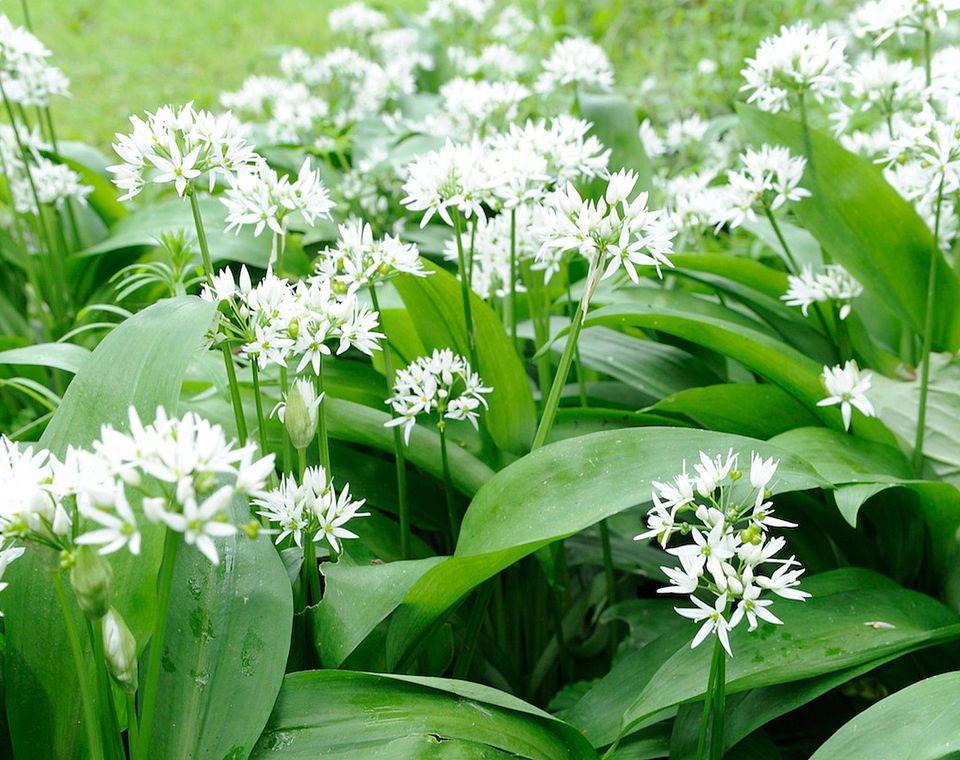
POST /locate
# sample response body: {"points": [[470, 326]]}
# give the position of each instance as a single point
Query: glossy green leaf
{"points": [[65, 356], [142, 362], [918, 722], [435, 306], [833, 630], [865, 225], [365, 716], [615, 125], [144, 227], [228, 634]]}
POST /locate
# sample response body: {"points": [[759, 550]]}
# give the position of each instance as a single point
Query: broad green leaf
{"points": [[144, 227], [833, 630], [615, 125], [865, 225], [103, 199], [328, 713], [435, 305], [756, 410], [142, 362], [228, 634], [555, 492], [918, 722], [65, 356]]}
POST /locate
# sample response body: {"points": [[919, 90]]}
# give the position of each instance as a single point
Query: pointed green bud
{"points": [[301, 414], [92, 579], [120, 651]]}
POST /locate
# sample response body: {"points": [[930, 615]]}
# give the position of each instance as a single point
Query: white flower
{"points": [[762, 471], [455, 176], [357, 18], [576, 61], [564, 143], [796, 62], [442, 382], [360, 260], [847, 386], [713, 621], [118, 529], [770, 176], [751, 606], [202, 523], [833, 284]]}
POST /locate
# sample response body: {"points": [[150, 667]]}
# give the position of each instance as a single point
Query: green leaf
{"points": [[833, 630], [435, 305], [140, 363], [865, 225], [918, 722], [228, 635], [144, 227], [555, 492], [65, 356], [615, 125], [365, 716]]}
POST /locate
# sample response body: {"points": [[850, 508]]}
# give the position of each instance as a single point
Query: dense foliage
{"points": [[435, 398]]}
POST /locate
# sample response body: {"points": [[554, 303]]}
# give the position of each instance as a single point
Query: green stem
{"points": [[710, 702], [71, 215], [403, 506], [462, 666], [927, 57], [109, 727], [261, 425], [807, 144], [133, 737], [287, 443], [452, 516], [560, 379], [91, 726], [313, 572], [323, 443], [171, 545], [928, 324], [513, 277], [465, 289], [224, 348], [26, 15], [719, 704], [783, 243], [581, 376]]}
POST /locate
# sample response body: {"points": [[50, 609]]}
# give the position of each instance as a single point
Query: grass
{"points": [[125, 56]]}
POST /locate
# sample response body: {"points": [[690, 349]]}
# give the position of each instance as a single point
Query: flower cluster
{"points": [[179, 146], [26, 76], [576, 62], [789, 66], [276, 321], [878, 20], [834, 283], [454, 177], [312, 507], [443, 383], [847, 386], [611, 233], [730, 569], [360, 260], [183, 472], [769, 177]]}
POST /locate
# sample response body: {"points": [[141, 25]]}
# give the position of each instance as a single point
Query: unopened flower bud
{"points": [[92, 578], [252, 529], [301, 414], [120, 650]]}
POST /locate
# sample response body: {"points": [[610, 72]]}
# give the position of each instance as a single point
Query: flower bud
{"points": [[91, 577], [301, 414], [120, 650]]}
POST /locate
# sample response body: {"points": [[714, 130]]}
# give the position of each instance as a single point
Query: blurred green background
{"points": [[124, 56]]}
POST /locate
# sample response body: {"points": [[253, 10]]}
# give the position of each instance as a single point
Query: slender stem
{"points": [[581, 377], [928, 325], [709, 700], [133, 736], [171, 545], [224, 348], [608, 562], [560, 379], [403, 506], [287, 443], [465, 289], [462, 666], [312, 571], [26, 15], [927, 57], [783, 243], [45, 114], [91, 726], [261, 425], [807, 144], [719, 703], [109, 727], [452, 516], [513, 277], [323, 443], [302, 461]]}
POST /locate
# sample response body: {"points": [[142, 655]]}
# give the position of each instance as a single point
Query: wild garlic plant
{"points": [[730, 571]]}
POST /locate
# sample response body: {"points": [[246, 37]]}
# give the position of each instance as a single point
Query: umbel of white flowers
{"points": [[183, 471], [847, 387], [730, 570], [443, 383]]}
